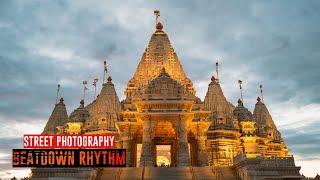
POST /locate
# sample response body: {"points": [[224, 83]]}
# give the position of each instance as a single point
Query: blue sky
{"points": [[274, 43]]}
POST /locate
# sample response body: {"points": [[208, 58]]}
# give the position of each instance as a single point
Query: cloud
{"points": [[260, 42]]}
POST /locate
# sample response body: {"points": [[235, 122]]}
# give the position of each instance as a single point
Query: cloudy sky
{"points": [[276, 43]]}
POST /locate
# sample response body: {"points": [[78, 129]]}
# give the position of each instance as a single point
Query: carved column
{"points": [[202, 153], [146, 154], [126, 138], [183, 156]]}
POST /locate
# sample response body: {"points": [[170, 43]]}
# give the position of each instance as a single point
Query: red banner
{"points": [[100, 141]]}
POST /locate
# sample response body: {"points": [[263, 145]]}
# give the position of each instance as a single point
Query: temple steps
{"points": [[227, 173], [120, 173], [204, 173], [157, 173], [221, 173], [168, 173]]}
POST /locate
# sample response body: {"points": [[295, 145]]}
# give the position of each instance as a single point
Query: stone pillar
{"points": [[202, 153], [147, 150], [127, 144], [183, 156]]}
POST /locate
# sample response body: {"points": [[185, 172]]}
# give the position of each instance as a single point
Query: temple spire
{"points": [[261, 92], [106, 106], [158, 54], [58, 117]]}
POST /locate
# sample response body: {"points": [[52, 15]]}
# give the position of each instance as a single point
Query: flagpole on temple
{"points": [[58, 90], [95, 87], [240, 85], [261, 92], [217, 71], [105, 71], [84, 89], [157, 14]]}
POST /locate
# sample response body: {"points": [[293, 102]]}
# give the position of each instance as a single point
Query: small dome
{"points": [[81, 114], [242, 113]]}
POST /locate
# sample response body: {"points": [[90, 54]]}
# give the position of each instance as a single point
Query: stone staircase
{"points": [[171, 173], [131, 173], [221, 173], [227, 173], [154, 173]]}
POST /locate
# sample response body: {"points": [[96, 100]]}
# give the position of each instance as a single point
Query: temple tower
{"points": [[266, 129], [103, 110], [223, 134], [59, 117], [248, 128]]}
